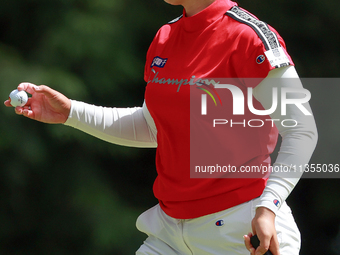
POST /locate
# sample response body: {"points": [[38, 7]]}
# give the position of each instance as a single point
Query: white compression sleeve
{"points": [[132, 127], [298, 143]]}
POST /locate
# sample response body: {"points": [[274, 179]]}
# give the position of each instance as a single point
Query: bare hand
{"points": [[45, 105], [263, 225]]}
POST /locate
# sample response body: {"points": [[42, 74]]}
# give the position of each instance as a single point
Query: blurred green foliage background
{"points": [[65, 192]]}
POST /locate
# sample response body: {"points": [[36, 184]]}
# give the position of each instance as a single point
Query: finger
{"points": [[28, 87], [27, 112], [260, 251], [7, 103], [26, 107], [274, 246], [264, 246], [19, 110], [247, 243], [47, 91]]}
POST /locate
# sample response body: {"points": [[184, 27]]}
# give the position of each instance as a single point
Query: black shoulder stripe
{"points": [[175, 20], [261, 28]]}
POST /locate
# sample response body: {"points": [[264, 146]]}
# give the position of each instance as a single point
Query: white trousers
{"points": [[217, 233]]}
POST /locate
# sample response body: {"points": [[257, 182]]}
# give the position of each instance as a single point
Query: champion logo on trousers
{"points": [[219, 223], [276, 202]]}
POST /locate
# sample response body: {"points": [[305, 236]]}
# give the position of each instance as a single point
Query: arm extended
{"points": [[132, 127]]}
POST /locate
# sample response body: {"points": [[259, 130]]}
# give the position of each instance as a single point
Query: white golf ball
{"points": [[18, 98]]}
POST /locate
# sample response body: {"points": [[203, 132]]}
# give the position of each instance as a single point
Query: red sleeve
{"points": [[147, 67], [253, 60]]}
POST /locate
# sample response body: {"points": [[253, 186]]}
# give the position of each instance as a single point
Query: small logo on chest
{"points": [[159, 62]]}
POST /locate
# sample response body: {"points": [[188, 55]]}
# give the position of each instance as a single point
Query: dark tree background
{"points": [[65, 192]]}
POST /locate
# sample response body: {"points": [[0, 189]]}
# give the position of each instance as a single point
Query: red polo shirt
{"points": [[222, 41]]}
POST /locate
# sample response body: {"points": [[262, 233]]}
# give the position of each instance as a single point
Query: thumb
{"points": [[47, 91], [52, 95], [59, 102]]}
